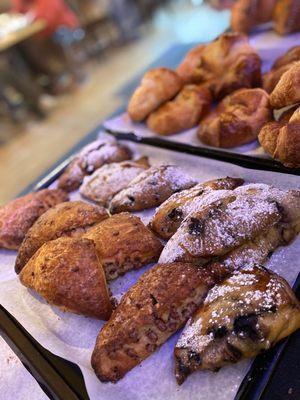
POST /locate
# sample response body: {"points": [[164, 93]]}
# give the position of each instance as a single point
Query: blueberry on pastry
{"points": [[157, 86], [91, 157], [151, 188], [18, 215], [286, 92], [170, 214], [110, 179], [150, 312], [67, 273], [246, 314], [124, 243], [71, 218]]}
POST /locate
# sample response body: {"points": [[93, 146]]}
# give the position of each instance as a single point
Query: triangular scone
{"points": [[246, 314], [67, 273]]}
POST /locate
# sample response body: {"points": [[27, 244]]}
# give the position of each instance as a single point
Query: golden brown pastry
{"points": [[282, 140], [182, 113], [18, 215], [246, 314], [191, 61], [293, 54], [110, 179], [286, 16], [91, 157], [246, 14], [124, 243], [72, 218], [148, 314], [151, 188], [286, 92], [227, 64], [169, 216], [68, 274], [157, 86], [237, 119]]}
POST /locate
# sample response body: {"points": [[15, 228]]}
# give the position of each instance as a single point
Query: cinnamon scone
{"points": [[182, 113], [91, 157], [237, 119], [157, 86], [19, 215], [286, 16], [169, 216], [67, 273], [72, 218], [244, 315], [110, 179], [151, 188], [150, 312], [191, 61], [124, 243], [286, 92]]}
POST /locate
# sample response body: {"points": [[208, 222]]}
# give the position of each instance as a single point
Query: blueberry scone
{"points": [[110, 179], [71, 218], [247, 313], [151, 188]]}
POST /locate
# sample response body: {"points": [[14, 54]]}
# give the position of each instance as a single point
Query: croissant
{"points": [[191, 61], [67, 273], [157, 86], [149, 313], [18, 215], [247, 313], [286, 92], [182, 113], [72, 218], [237, 119], [286, 16]]}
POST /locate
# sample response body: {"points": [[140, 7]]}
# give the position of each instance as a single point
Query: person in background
{"points": [[47, 52]]}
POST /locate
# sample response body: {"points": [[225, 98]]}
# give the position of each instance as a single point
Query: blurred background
{"points": [[62, 63]]}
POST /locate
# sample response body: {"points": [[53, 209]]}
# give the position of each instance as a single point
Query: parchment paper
{"points": [[73, 337]]}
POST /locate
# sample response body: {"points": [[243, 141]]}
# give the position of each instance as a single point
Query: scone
{"points": [[191, 61], [91, 157], [237, 119], [150, 312], [110, 179], [151, 188], [72, 218], [157, 86], [18, 215], [169, 216], [286, 16], [286, 92], [182, 113], [124, 243], [246, 314], [67, 273]]}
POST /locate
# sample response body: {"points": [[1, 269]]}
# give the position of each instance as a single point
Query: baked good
{"points": [[293, 54], [286, 92], [67, 273], [182, 113], [18, 215], [149, 313], [169, 216], [191, 61], [157, 86], [72, 218], [244, 315], [110, 179], [124, 243], [286, 16], [151, 188], [282, 140], [91, 157], [227, 64], [237, 119]]}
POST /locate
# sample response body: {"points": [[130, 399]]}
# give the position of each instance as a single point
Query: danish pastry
{"points": [[67, 273], [110, 179], [286, 92], [18, 216], [72, 218], [237, 119], [124, 243], [182, 113], [151, 188], [246, 314], [157, 86], [286, 16]]}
